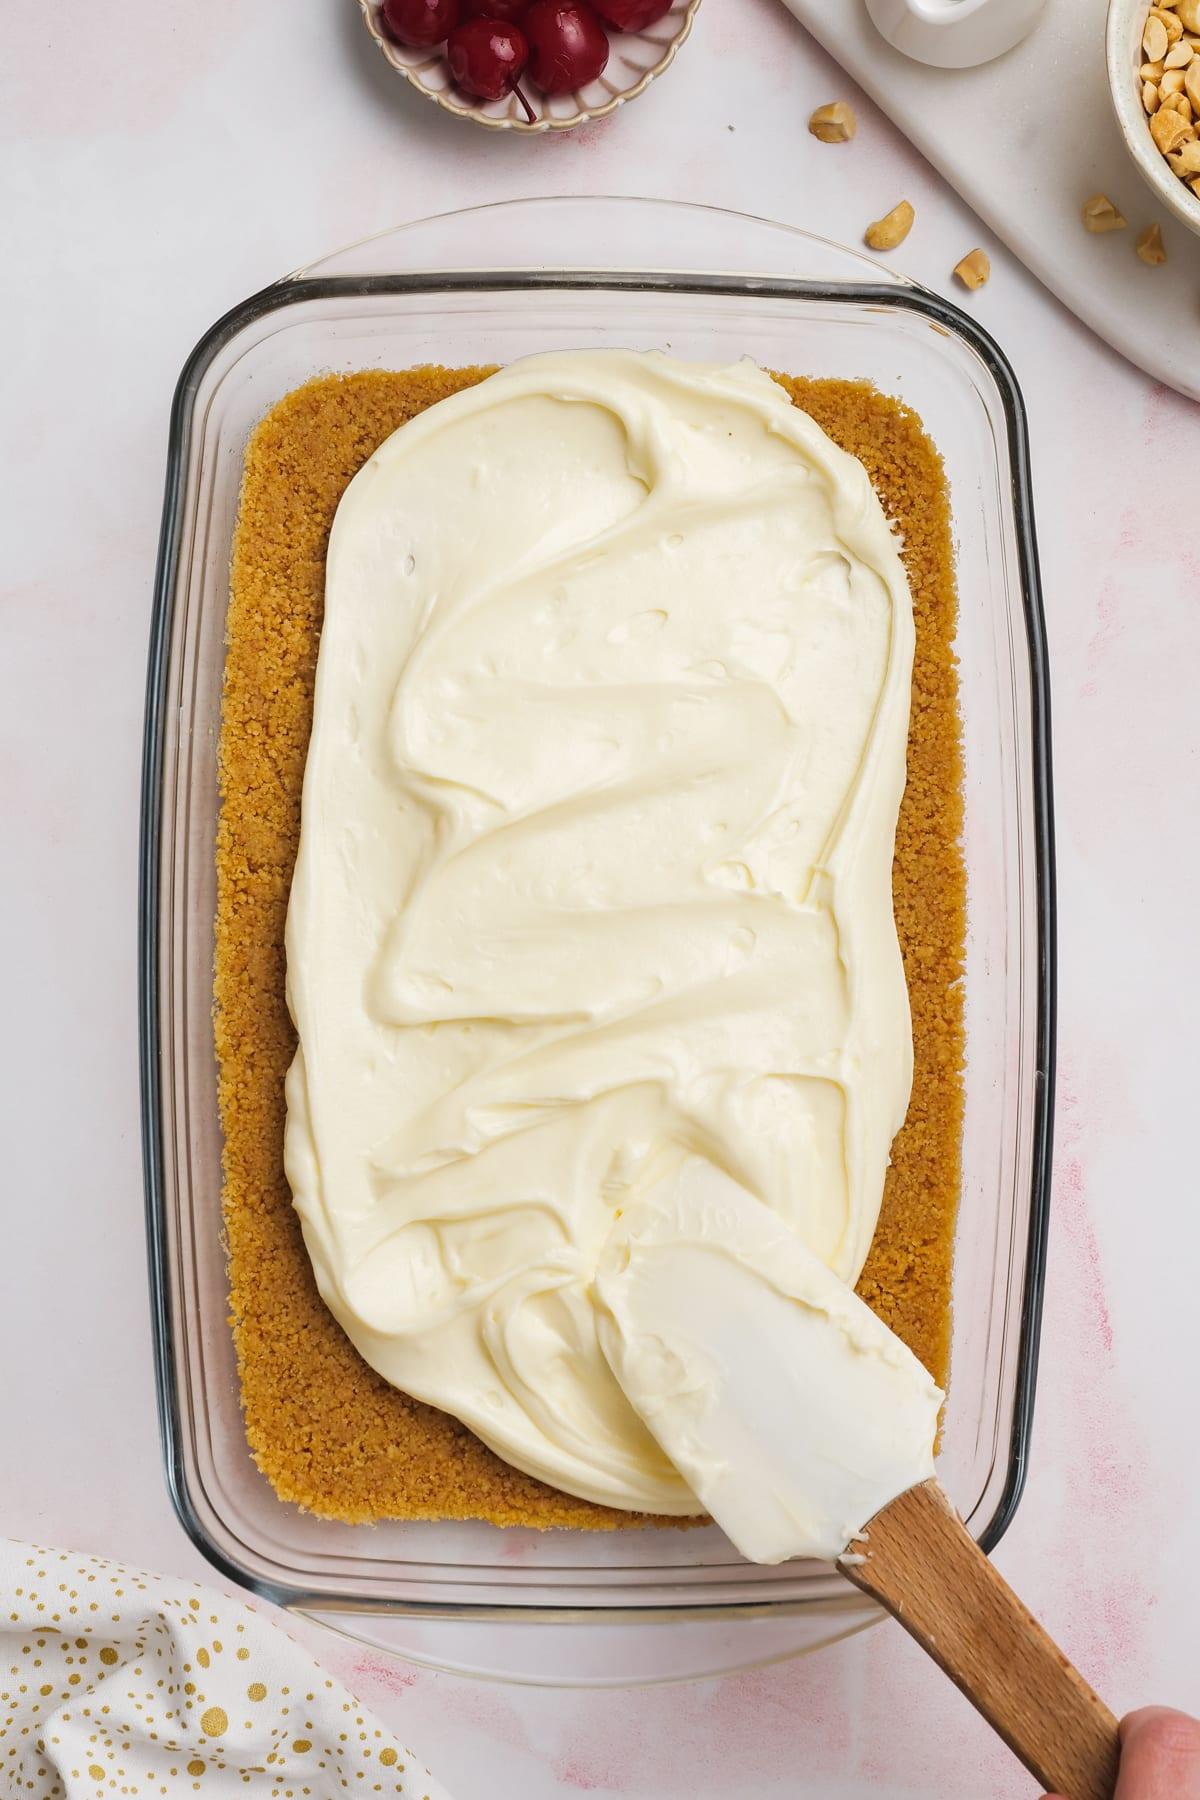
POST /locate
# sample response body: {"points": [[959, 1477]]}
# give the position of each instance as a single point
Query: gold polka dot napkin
{"points": [[115, 1682]]}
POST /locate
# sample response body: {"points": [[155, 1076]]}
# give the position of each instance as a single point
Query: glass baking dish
{"points": [[470, 1596]]}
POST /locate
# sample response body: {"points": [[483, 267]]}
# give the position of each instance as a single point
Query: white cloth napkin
{"points": [[115, 1682]]}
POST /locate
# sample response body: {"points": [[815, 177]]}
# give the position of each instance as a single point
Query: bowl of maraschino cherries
{"points": [[529, 65]]}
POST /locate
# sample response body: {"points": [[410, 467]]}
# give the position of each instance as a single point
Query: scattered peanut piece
{"points": [[834, 123], [892, 229], [1150, 246], [1099, 214], [974, 269]]}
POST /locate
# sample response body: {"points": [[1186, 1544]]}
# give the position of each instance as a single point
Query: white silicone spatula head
{"points": [[807, 1428], [789, 1408]]}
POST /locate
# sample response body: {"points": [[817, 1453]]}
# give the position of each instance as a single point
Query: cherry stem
{"points": [[529, 112]]}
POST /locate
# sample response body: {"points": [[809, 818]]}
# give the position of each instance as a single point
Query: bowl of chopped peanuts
{"points": [[1153, 58]]}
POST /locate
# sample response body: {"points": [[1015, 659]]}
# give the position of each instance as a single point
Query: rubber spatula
{"points": [[806, 1428]]}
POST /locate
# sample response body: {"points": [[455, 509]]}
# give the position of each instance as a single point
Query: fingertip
{"points": [[1177, 1729], [1160, 1755]]}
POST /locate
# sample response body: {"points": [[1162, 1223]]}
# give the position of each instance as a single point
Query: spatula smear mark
{"points": [[792, 1411]]}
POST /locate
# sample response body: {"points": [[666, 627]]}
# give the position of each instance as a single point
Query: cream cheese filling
{"points": [[594, 874]]}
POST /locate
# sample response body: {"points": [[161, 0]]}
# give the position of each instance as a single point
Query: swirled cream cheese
{"points": [[594, 874]]}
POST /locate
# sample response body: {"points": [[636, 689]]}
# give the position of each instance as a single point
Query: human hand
{"points": [[1160, 1756]]}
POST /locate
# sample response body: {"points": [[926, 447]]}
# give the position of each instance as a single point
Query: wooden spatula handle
{"points": [[923, 1564]]}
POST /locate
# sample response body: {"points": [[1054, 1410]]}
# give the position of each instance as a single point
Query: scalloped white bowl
{"points": [[633, 63]]}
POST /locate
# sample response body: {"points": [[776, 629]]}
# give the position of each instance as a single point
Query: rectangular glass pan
{"points": [[908, 343]]}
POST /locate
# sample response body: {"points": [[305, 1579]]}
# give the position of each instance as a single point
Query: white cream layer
{"points": [[595, 872]]}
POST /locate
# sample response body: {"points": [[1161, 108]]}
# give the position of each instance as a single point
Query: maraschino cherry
{"points": [[508, 10], [420, 23], [632, 15], [568, 46], [486, 57]]}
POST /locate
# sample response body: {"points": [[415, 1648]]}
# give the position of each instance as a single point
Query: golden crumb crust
{"points": [[326, 1430]]}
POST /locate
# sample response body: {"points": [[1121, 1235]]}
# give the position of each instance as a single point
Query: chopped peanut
{"points": [[834, 123], [1169, 21], [892, 229], [1099, 214], [1168, 129], [1186, 160], [974, 269], [1150, 246]]}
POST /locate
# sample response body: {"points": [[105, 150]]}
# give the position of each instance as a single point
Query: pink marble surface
{"points": [[158, 164]]}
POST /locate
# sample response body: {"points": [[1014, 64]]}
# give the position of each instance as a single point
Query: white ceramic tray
{"points": [[1002, 136]]}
